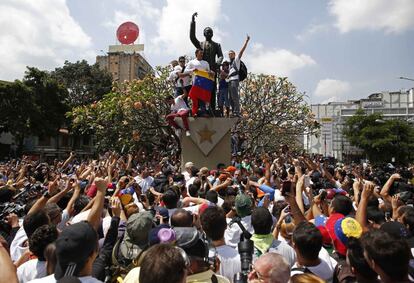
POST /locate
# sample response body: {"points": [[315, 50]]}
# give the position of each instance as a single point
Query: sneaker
{"points": [[187, 133]]}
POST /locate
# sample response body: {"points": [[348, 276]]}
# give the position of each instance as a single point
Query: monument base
{"points": [[209, 143]]}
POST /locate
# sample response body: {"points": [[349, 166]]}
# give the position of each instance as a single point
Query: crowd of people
{"points": [[280, 217]]}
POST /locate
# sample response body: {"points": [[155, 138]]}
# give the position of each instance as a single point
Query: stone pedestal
{"points": [[209, 143]]}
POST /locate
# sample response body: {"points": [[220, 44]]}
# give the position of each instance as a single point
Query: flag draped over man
{"points": [[201, 90]]}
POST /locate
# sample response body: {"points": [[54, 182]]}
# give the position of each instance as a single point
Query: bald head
{"points": [[181, 218], [271, 266]]}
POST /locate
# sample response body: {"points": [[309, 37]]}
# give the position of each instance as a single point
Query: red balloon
{"points": [[127, 33]]}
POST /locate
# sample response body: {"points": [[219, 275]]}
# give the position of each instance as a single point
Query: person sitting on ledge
{"points": [[178, 109]]}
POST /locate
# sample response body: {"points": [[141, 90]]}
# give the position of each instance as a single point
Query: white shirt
{"points": [[51, 279], [229, 261], [324, 270], [31, 270], [144, 183], [179, 104], [16, 248], [196, 65], [232, 234], [179, 82], [235, 63]]}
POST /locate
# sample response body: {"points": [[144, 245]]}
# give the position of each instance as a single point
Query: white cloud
{"points": [[312, 30], [38, 33], [280, 62], [393, 16], [172, 23], [330, 90]]}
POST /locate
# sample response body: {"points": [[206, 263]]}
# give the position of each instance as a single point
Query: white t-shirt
{"points": [[31, 270], [324, 270], [196, 65], [144, 183], [51, 279], [232, 234], [179, 104], [16, 248], [179, 82], [229, 261], [193, 209], [235, 63]]}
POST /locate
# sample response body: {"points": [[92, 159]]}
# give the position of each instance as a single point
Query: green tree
{"points": [[380, 139], [274, 113], [33, 106], [130, 117], [85, 83]]}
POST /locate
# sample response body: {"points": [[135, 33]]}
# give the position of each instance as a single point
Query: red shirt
{"points": [[330, 226]]}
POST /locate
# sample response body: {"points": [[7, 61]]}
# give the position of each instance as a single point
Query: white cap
{"points": [[189, 165]]}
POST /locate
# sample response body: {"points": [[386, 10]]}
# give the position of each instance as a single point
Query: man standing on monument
{"points": [[234, 79], [210, 49]]}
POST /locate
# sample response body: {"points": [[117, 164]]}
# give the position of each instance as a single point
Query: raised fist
{"points": [[194, 15]]}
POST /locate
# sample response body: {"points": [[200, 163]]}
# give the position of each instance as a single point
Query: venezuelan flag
{"points": [[202, 86]]}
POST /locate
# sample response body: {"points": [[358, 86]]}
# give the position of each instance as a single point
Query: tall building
{"points": [[124, 66], [332, 117]]}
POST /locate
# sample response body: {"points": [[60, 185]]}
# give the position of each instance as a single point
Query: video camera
{"points": [[246, 249]]}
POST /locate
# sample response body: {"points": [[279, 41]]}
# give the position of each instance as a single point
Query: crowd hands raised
{"points": [[139, 218]]}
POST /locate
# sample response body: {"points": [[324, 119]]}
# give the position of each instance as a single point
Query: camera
{"points": [[246, 249]]}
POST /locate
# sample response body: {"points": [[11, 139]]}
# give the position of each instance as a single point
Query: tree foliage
{"points": [[274, 113], [85, 83], [132, 115], [33, 106], [380, 139]]}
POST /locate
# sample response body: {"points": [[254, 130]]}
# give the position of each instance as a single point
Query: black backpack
{"points": [[242, 72]]}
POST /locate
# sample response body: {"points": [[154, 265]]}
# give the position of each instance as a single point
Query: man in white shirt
{"points": [[311, 258], [178, 109], [183, 82], [197, 64], [213, 222], [233, 79], [36, 268]]}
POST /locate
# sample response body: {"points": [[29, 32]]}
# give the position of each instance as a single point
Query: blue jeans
{"points": [[223, 97]]}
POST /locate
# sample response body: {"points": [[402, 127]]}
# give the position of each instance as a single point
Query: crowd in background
{"points": [[146, 218]]}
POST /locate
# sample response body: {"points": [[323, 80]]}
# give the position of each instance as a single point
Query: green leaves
{"points": [[381, 139], [130, 117]]}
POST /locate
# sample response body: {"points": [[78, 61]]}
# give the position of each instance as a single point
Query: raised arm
{"points": [[94, 216], [361, 213], [243, 47], [193, 37], [387, 186]]}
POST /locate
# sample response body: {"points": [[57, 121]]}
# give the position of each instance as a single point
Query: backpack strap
{"points": [[214, 278], [302, 269]]}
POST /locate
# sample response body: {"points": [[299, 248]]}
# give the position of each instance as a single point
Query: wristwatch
{"points": [[46, 195]]}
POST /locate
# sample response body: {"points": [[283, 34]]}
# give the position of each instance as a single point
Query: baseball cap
{"points": [[188, 164], [243, 205], [164, 212], [74, 246], [136, 234], [203, 171], [347, 227]]}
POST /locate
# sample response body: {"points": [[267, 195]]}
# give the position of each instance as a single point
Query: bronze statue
{"points": [[211, 50]]}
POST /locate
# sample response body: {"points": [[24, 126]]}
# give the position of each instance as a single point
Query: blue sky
{"points": [[333, 50]]}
